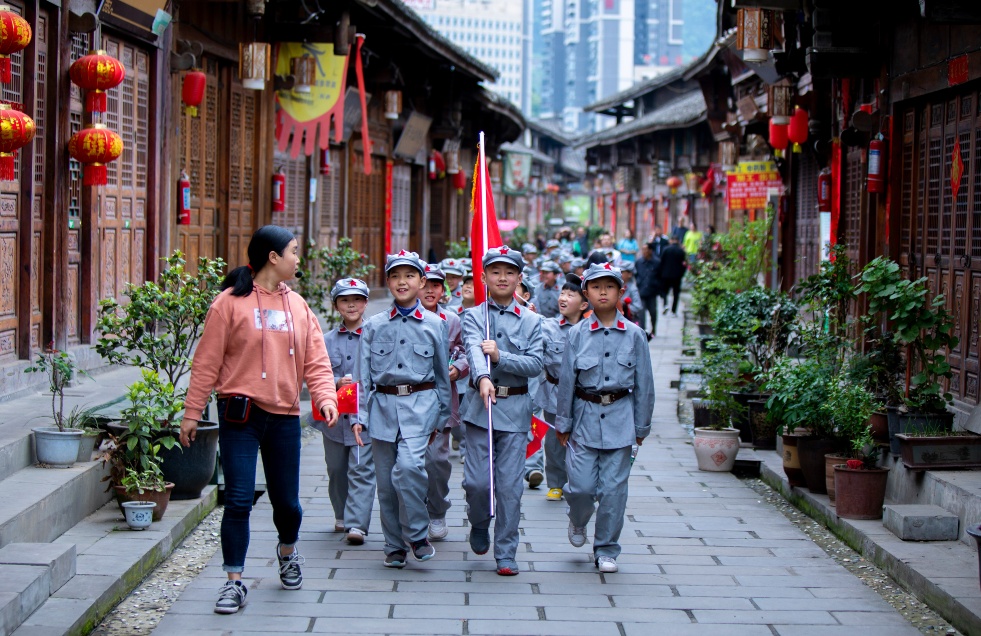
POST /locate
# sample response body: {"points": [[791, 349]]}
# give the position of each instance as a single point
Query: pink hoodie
{"points": [[257, 346]]}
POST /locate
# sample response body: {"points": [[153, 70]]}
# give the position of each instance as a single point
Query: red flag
{"points": [[347, 402], [538, 429], [477, 246]]}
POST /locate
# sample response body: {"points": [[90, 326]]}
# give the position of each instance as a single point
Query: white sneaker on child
{"points": [[438, 529], [577, 536], [607, 565]]}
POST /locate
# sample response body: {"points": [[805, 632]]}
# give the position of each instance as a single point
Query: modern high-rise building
{"points": [[496, 32]]}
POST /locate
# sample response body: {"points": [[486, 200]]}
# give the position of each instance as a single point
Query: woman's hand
{"points": [[189, 431]]}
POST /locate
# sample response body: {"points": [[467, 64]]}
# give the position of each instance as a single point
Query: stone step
{"points": [[920, 522], [29, 574]]}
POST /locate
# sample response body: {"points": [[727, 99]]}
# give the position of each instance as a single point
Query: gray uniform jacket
{"points": [[404, 350], [342, 348], [518, 333], [555, 334], [458, 359], [547, 300], [456, 297], [602, 359], [636, 303]]}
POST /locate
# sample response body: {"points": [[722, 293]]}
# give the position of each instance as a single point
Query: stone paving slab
{"points": [[702, 555]]}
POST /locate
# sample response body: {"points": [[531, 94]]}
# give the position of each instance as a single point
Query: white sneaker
{"points": [[339, 525], [355, 536], [607, 565], [438, 529], [577, 536]]}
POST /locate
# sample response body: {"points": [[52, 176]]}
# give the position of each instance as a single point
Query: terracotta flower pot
{"points": [[880, 426], [812, 451], [830, 460], [791, 460], [159, 498], [860, 492]]}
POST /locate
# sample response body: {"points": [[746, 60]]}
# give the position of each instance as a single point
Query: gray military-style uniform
{"points": [[555, 333], [636, 302], [456, 297], [518, 334], [438, 465], [350, 472], [601, 361], [547, 299], [403, 350]]}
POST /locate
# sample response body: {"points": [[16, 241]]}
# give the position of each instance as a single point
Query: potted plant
{"points": [[716, 443], [849, 410], [322, 266], [137, 446], [146, 486], [939, 449], [734, 263], [157, 331], [860, 485], [58, 445], [925, 328]]}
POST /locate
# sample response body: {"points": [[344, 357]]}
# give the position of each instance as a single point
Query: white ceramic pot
{"points": [[139, 514], [716, 450], [56, 448]]}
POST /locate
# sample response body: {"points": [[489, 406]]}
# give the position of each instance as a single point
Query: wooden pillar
{"points": [[25, 200]]}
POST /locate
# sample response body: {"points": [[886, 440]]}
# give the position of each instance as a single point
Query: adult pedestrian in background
{"points": [[658, 241], [581, 244], [628, 248], [260, 342], [693, 242], [670, 270], [648, 285]]}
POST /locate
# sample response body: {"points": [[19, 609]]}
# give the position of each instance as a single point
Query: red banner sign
{"points": [[388, 207], [749, 191]]}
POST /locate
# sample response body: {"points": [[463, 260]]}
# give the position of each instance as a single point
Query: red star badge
{"points": [[504, 249], [608, 266], [401, 253], [353, 283], [427, 268]]}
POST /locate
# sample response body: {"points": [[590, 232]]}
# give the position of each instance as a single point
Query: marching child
{"points": [[547, 293], [453, 270], [515, 351], [350, 470], [555, 333], [459, 441], [438, 452], [405, 394], [604, 405]]}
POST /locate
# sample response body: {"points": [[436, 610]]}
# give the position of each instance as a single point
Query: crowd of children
{"points": [[435, 372]]}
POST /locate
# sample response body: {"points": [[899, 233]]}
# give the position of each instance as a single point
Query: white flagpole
{"points": [[490, 414]]}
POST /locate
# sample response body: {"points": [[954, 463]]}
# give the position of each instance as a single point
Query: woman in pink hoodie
{"points": [[260, 342]]}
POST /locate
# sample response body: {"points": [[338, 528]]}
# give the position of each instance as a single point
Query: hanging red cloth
{"points": [[365, 138]]}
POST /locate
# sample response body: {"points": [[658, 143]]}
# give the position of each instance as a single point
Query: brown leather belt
{"points": [[551, 380], [604, 399], [506, 391], [403, 390]]}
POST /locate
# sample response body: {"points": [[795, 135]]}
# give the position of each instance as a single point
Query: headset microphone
{"points": [[299, 275]]}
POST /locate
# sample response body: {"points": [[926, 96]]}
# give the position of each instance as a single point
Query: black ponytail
{"points": [[268, 238]]}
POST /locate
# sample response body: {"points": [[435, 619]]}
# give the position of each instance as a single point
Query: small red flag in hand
{"points": [[347, 402], [538, 429]]}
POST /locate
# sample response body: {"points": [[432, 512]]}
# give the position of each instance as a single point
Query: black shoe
{"points": [[479, 541], [289, 570], [231, 597], [395, 560], [423, 550]]}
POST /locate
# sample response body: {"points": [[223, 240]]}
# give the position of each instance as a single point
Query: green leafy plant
{"points": [[322, 267], [848, 409], [759, 320], [798, 392], [163, 320], [150, 421], [733, 264], [61, 371], [139, 482], [920, 324], [457, 249], [721, 377]]}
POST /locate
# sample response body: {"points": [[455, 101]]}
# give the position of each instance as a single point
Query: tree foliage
{"points": [[322, 267]]}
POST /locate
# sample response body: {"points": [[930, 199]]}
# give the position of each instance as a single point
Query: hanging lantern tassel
{"points": [[8, 163], [16, 130], [15, 35]]}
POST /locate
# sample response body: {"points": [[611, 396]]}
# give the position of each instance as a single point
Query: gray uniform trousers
{"points": [[598, 476], [555, 472], [400, 469], [438, 468], [537, 460], [350, 482], [508, 485]]}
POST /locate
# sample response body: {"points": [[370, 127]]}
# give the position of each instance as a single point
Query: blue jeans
{"points": [[278, 437]]}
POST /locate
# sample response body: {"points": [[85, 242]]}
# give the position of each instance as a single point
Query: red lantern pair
{"points": [[94, 147], [15, 35], [778, 136], [16, 131], [97, 72], [192, 91]]}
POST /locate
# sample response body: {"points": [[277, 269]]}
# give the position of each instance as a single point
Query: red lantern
{"points": [[183, 200], [279, 191], [97, 72], [460, 181], [778, 136], [797, 130], [16, 130], [674, 183], [325, 161], [192, 91], [94, 147], [15, 35]]}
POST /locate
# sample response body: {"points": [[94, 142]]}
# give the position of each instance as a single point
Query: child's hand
{"points": [[330, 414], [454, 374], [343, 382], [531, 307], [563, 437], [489, 348], [487, 390], [640, 441], [357, 428], [432, 437]]}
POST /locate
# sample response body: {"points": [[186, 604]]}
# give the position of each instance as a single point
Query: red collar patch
{"points": [[562, 321], [594, 325], [418, 314], [343, 329], [442, 315], [620, 325], [517, 310], [393, 313], [459, 309]]}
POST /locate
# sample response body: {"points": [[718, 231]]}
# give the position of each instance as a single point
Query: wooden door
{"points": [[71, 291], [401, 205], [294, 218], [121, 205], [366, 216], [199, 152], [329, 201], [242, 161], [808, 241]]}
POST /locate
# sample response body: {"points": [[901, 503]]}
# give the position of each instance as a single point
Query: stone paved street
{"points": [[701, 552]]}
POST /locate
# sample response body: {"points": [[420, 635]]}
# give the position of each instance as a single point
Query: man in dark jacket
{"points": [[648, 285], [670, 271]]}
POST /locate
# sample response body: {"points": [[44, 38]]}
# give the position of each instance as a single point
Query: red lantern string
{"points": [[365, 139]]}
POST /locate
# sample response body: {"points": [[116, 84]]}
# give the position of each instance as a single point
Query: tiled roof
{"points": [[683, 112]]}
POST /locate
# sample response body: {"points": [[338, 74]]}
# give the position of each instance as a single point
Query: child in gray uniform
{"points": [[515, 351], [405, 397], [350, 472], [604, 406]]}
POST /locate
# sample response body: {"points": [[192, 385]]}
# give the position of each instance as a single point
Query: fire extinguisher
{"points": [[431, 165], [877, 166], [279, 191], [325, 161], [183, 200], [824, 191]]}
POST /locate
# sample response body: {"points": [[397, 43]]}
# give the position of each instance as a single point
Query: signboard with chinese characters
{"points": [[748, 185], [517, 172]]}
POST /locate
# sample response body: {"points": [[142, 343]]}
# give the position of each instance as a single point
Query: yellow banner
{"points": [[303, 113]]}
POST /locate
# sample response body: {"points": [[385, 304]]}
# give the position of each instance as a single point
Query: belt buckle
{"points": [[606, 399], [502, 391], [403, 390]]}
